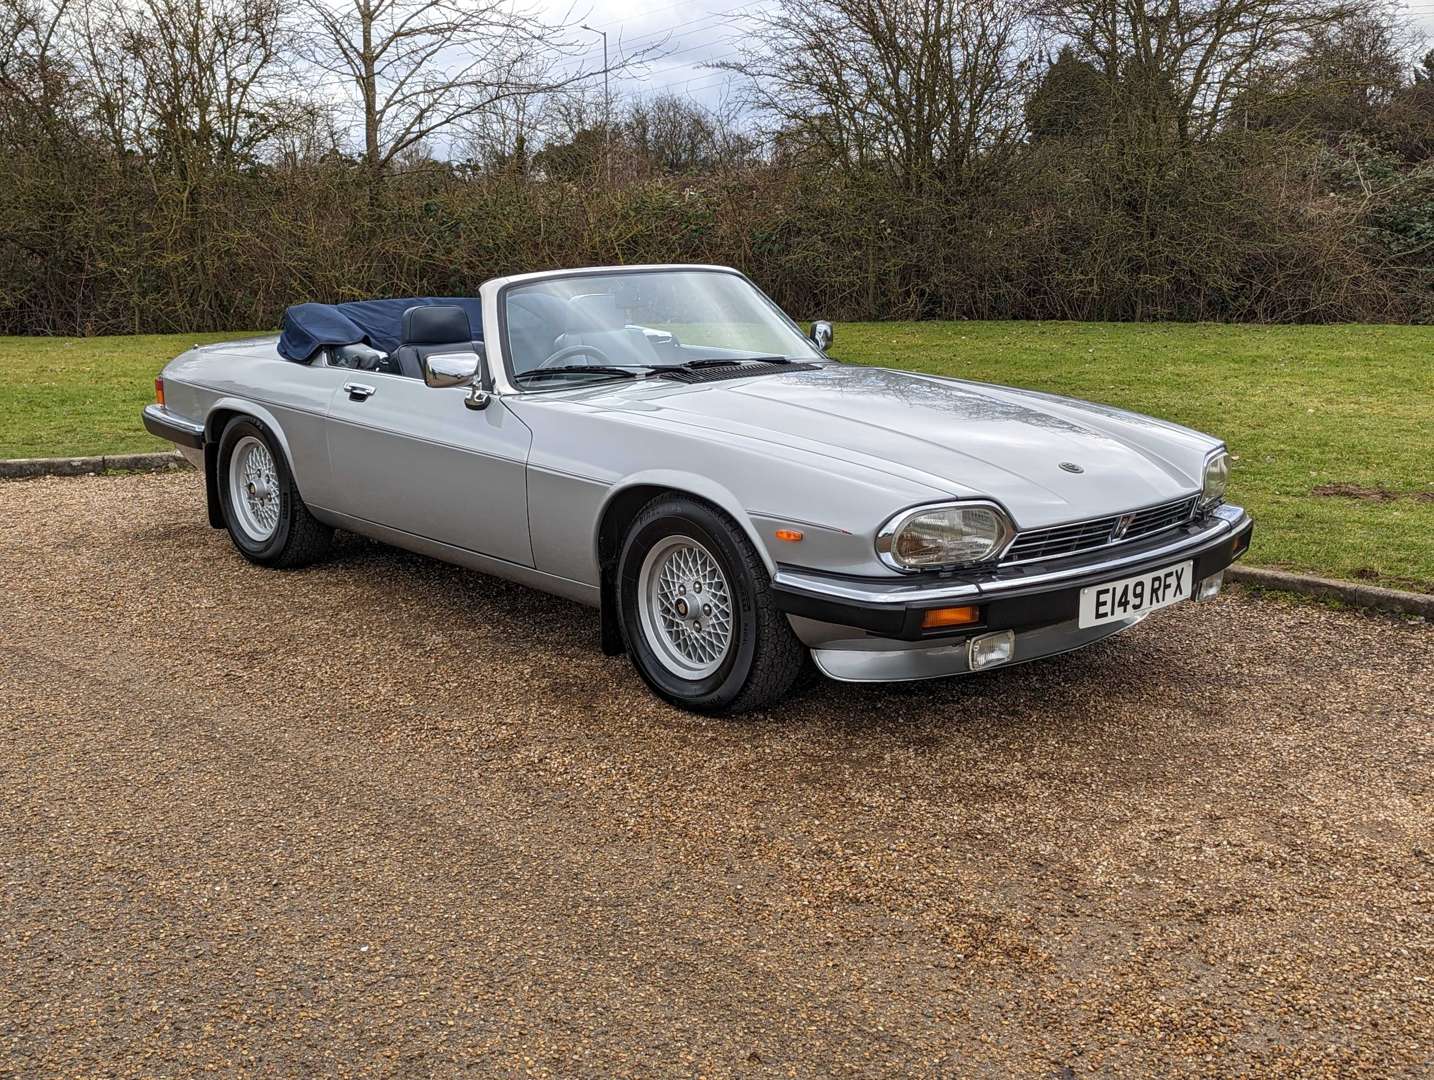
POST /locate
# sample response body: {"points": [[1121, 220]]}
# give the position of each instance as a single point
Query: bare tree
{"points": [[187, 84], [1177, 66], [927, 90], [672, 133], [506, 135], [417, 68]]}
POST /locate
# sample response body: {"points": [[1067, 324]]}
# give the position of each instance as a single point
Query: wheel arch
{"points": [[625, 499]]}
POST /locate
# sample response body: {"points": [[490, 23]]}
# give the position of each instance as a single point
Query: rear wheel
{"points": [[266, 518], [697, 614]]}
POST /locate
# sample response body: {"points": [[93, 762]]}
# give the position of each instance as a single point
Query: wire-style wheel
{"points": [[259, 502], [686, 607], [254, 489], [696, 611]]}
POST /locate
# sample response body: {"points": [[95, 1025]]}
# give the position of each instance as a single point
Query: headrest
{"points": [[435, 324], [594, 311]]}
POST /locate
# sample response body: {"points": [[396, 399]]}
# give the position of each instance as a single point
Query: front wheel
{"points": [[697, 614]]}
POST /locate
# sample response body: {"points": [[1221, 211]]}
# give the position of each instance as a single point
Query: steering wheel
{"points": [[574, 350]]}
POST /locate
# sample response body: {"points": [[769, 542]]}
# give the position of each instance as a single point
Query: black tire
{"points": [[298, 538], [764, 659]]}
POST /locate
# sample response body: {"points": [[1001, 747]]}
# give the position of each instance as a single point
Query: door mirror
{"points": [[451, 369], [821, 335]]}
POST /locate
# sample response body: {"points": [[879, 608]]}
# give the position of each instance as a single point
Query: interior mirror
{"points": [[451, 369], [821, 335]]}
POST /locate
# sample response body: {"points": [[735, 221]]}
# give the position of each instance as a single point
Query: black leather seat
{"points": [[429, 329]]}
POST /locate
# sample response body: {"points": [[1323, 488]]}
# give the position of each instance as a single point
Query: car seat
{"points": [[428, 330]]}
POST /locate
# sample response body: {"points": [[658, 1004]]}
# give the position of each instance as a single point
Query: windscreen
{"points": [[640, 319]]}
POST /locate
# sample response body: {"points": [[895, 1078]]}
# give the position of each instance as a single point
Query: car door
{"points": [[416, 458]]}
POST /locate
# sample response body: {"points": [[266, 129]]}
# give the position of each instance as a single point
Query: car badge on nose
{"points": [[1122, 526], [1071, 466]]}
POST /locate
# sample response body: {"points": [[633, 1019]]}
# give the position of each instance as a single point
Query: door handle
{"points": [[359, 391]]}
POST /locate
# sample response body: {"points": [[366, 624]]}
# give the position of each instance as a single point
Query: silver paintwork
{"points": [[519, 488]]}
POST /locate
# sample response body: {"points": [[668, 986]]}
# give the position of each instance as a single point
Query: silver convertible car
{"points": [[664, 444]]}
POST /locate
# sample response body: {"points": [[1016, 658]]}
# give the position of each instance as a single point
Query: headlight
{"points": [[1217, 475], [955, 535]]}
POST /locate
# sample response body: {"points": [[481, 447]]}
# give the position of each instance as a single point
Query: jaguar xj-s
{"points": [[664, 444]]}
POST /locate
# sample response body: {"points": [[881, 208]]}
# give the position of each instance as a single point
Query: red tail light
{"points": [[159, 391]]}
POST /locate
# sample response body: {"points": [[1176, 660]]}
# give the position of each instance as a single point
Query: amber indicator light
{"points": [[942, 617], [791, 536], [159, 391]]}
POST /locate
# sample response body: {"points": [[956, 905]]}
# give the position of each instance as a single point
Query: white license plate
{"points": [[1136, 595]]}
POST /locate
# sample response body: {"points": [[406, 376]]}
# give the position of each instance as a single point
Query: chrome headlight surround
{"points": [[983, 513], [1214, 478]]}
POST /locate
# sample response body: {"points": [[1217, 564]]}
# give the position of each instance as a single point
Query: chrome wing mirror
{"points": [[450, 369], [468, 369], [821, 335]]}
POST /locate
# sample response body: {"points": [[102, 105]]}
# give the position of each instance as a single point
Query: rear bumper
{"points": [[870, 628], [167, 425]]}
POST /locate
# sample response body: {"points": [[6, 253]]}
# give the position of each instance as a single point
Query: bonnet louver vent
{"points": [[734, 371]]}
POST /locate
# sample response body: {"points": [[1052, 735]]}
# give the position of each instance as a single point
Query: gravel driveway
{"points": [[386, 816]]}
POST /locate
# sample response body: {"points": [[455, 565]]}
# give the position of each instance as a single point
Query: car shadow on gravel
{"points": [[1058, 689]]}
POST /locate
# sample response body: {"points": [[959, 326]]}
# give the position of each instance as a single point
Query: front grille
{"points": [[1098, 532], [714, 372]]}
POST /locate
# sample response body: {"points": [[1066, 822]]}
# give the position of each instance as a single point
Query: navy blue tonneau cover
{"points": [[309, 327]]}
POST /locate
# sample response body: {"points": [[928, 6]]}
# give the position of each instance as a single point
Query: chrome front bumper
{"points": [[869, 629]]}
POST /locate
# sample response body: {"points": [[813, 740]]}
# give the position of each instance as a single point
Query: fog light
{"points": [[988, 650], [1210, 587]]}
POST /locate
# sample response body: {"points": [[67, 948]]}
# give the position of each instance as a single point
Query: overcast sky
{"points": [[692, 33], [684, 36]]}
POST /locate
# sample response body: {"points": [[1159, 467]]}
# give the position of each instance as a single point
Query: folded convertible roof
{"points": [[307, 328]]}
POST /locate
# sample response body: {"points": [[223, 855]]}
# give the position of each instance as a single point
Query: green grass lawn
{"points": [[72, 397], [1301, 408]]}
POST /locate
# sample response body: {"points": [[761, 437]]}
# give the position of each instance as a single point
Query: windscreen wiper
{"points": [[721, 361], [575, 369], [633, 371]]}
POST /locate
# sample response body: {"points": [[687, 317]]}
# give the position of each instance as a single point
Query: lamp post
{"points": [[606, 104]]}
